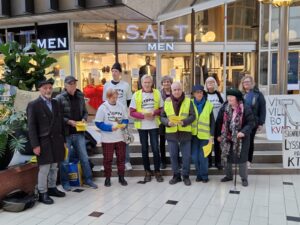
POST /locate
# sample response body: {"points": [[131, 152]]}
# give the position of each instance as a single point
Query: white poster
{"points": [[283, 111], [291, 149], [135, 73], [23, 98]]}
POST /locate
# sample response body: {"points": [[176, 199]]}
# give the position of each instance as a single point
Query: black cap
{"points": [[70, 79], [117, 66], [43, 82], [198, 87], [235, 92]]}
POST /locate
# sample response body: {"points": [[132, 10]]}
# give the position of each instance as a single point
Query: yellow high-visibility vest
{"points": [[138, 103], [183, 112], [201, 126]]}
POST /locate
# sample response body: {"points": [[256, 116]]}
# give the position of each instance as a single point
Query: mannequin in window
{"points": [[149, 70], [201, 72]]}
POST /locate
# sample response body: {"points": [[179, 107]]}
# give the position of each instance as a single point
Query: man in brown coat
{"points": [[45, 124]]}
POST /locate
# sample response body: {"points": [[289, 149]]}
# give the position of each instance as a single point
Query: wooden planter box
{"points": [[23, 177]]}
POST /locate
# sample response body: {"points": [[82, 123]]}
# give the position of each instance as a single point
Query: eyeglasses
{"points": [[246, 81]]}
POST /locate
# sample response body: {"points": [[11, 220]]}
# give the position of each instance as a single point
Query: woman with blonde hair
{"points": [[256, 101]]}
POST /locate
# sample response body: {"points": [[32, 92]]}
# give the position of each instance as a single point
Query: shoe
{"points": [[128, 166], [44, 198], [91, 184], [55, 192], [219, 167], [147, 177], [199, 179], [122, 181], [163, 166], [67, 187], [205, 180], [175, 179], [225, 179], [244, 182], [186, 181], [159, 177], [107, 182], [101, 168], [249, 165]]}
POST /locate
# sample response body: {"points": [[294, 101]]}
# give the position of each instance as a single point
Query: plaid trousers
{"points": [[108, 154]]}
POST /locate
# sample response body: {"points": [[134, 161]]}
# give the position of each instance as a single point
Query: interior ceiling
{"points": [[112, 13]]}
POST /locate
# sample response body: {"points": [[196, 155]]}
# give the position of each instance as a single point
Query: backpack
{"points": [[18, 201], [220, 97]]}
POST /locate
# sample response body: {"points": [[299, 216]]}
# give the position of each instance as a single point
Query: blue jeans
{"points": [[76, 145], [145, 148], [185, 148], [201, 163]]}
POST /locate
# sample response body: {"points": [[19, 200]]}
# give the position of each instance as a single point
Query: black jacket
{"points": [[65, 105], [46, 129]]}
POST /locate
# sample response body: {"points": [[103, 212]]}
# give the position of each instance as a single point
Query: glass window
{"points": [[274, 27], [210, 25], [294, 33], [263, 72], [91, 32], [265, 25], [243, 19]]}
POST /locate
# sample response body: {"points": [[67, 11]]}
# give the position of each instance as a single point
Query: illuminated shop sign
{"points": [[53, 37], [133, 33]]}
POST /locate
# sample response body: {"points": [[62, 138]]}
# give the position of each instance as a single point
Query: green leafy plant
{"points": [[10, 122], [25, 68]]}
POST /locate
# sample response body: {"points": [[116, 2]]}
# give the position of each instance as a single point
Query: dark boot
{"points": [[44, 198], [159, 177], [226, 179], [186, 180], [147, 176], [122, 181], [55, 192], [107, 182], [176, 178]]}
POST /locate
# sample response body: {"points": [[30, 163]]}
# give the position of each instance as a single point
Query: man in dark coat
{"points": [[46, 135], [149, 70]]}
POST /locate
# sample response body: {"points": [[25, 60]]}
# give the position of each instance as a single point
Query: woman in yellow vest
{"points": [[145, 108], [177, 116], [202, 131]]}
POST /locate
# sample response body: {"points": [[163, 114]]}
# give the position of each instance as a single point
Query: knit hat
{"points": [[43, 82], [117, 66], [197, 87], [235, 92]]}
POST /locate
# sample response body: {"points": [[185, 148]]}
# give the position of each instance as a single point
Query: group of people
{"points": [[187, 124]]}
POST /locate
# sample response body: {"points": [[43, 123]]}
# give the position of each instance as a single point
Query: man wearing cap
{"points": [[74, 110], [46, 135], [124, 97]]}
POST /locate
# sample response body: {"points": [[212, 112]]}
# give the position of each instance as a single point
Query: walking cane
{"points": [[234, 190]]}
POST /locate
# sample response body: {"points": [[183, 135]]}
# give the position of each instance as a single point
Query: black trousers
{"points": [[251, 148], [217, 151]]}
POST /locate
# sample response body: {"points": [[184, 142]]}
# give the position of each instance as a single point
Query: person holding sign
{"points": [[111, 119], [256, 101], [178, 116], [202, 131], [145, 108], [234, 124]]}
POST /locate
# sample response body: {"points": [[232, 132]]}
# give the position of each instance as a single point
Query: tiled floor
{"points": [[267, 201]]}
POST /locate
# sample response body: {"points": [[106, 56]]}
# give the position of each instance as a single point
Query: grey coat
{"points": [[179, 135], [248, 122], [65, 105], [46, 129]]}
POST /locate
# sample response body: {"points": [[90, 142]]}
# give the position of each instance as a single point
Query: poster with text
{"points": [[282, 112], [291, 149]]}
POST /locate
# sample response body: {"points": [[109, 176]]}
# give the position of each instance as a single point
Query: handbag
{"points": [[128, 136]]}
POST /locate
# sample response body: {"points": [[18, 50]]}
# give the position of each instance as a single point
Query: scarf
{"points": [[249, 97], [200, 105], [232, 123], [177, 103]]}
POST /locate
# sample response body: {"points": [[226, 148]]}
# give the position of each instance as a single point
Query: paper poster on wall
{"points": [[95, 73], [23, 98], [62, 74], [173, 73], [291, 149], [282, 112], [135, 73]]}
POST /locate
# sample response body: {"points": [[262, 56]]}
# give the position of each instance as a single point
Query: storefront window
{"points": [[91, 32], [209, 25], [263, 72], [294, 33], [265, 25], [274, 27], [94, 69], [242, 21]]}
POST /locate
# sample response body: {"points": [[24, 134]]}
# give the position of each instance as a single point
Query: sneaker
{"points": [[147, 177], [175, 179], [186, 181], [128, 166], [249, 165], [159, 177], [244, 182], [101, 168], [107, 182], [91, 184], [226, 179]]}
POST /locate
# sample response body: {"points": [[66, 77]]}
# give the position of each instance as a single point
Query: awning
{"points": [[180, 8]]}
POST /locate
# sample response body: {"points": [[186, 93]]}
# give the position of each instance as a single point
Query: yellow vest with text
{"points": [[201, 126], [138, 102], [183, 112]]}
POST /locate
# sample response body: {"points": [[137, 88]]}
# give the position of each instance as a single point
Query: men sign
{"points": [[291, 149]]}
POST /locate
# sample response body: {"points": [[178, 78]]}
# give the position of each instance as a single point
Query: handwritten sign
{"points": [[291, 149], [23, 98], [282, 113]]}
